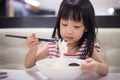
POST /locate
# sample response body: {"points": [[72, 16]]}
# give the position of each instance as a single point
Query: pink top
{"points": [[54, 52]]}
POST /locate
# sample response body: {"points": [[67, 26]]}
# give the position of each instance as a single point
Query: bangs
{"points": [[71, 12]]}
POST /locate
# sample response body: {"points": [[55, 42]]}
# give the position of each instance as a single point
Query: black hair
{"points": [[77, 10]]}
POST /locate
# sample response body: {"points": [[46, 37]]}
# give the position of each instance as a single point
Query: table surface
{"points": [[36, 75]]}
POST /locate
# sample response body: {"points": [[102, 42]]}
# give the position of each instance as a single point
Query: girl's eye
{"points": [[77, 26], [64, 24]]}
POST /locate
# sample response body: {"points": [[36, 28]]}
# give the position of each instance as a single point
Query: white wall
{"points": [[101, 6]]}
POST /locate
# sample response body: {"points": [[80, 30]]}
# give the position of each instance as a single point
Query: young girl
{"points": [[75, 24]]}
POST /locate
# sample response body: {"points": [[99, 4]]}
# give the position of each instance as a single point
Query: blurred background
{"points": [[50, 7]]}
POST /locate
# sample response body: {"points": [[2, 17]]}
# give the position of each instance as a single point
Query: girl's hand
{"points": [[32, 42], [89, 66]]}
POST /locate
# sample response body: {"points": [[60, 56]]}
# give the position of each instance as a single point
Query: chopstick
{"points": [[40, 39]]}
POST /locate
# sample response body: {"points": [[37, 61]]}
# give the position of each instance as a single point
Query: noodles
{"points": [[60, 62], [63, 50]]}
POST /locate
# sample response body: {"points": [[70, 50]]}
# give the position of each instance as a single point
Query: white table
{"points": [[32, 75], [22, 75]]}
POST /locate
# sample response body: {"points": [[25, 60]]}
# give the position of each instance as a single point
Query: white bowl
{"points": [[60, 73]]}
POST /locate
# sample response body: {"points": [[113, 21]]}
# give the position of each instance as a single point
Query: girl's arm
{"points": [[32, 42], [32, 56], [102, 67], [95, 64]]}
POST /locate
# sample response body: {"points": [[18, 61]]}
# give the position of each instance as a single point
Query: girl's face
{"points": [[71, 31]]}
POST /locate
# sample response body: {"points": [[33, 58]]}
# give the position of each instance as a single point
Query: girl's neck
{"points": [[72, 48]]}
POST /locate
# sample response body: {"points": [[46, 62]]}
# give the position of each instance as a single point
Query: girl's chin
{"points": [[70, 41]]}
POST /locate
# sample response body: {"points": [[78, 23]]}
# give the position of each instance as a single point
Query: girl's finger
{"points": [[88, 60], [84, 64], [35, 43], [34, 35]]}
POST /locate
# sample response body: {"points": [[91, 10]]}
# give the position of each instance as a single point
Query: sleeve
{"points": [[97, 47]]}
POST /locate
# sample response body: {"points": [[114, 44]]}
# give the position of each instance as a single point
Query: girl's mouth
{"points": [[69, 38]]}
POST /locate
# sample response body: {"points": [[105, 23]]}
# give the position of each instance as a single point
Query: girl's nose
{"points": [[69, 30]]}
